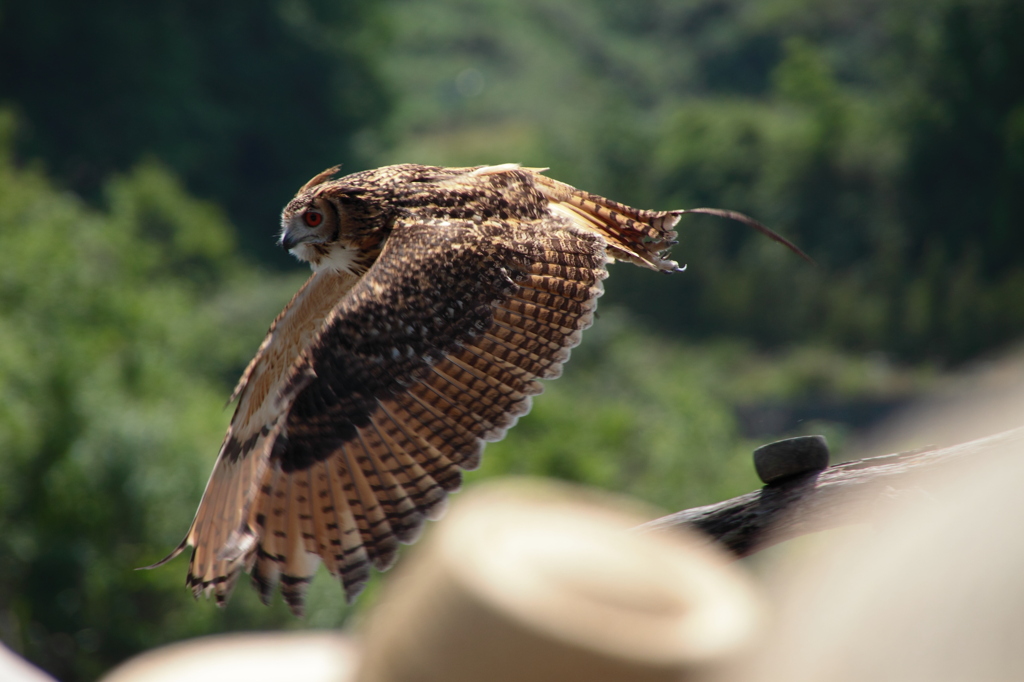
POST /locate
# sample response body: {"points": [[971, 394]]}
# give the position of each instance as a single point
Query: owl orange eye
{"points": [[312, 218]]}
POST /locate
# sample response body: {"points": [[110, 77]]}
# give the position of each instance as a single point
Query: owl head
{"points": [[321, 227]]}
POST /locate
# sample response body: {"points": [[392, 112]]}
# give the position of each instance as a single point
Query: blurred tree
{"points": [[244, 100], [883, 137], [961, 189], [901, 175], [111, 353], [963, 176]]}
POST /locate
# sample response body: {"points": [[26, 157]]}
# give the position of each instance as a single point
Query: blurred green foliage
{"points": [[886, 138], [112, 352], [244, 99]]}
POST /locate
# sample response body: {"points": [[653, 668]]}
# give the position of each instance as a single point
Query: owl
{"points": [[439, 299]]}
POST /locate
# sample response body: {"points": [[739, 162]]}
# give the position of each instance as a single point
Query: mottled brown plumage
{"points": [[439, 297]]}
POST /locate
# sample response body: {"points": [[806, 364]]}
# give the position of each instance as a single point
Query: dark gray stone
{"points": [[785, 459]]}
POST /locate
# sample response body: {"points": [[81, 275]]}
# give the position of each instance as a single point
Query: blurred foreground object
{"points": [[13, 668], [985, 398], [937, 593], [254, 657], [525, 580], [533, 580]]}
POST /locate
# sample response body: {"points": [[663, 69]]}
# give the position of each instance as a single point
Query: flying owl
{"points": [[439, 297]]}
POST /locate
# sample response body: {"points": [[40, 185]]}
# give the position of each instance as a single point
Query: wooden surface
{"points": [[846, 493]]}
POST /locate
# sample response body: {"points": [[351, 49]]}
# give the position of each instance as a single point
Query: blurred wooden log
{"points": [[843, 494], [310, 656], [543, 581]]}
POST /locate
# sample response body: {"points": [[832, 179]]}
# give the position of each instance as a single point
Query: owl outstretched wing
{"points": [[393, 387]]}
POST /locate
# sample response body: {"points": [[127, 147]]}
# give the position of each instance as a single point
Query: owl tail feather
{"points": [[635, 235]]}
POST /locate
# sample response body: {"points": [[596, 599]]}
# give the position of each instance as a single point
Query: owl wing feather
{"points": [[264, 394], [437, 349]]}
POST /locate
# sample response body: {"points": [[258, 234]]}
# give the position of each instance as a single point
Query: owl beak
{"points": [[289, 240], [293, 235]]}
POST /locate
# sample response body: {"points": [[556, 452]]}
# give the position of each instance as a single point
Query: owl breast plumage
{"points": [[439, 299]]}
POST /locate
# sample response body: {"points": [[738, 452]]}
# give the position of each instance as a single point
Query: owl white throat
{"points": [[339, 258]]}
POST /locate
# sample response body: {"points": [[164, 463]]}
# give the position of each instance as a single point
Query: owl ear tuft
{"points": [[321, 178]]}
